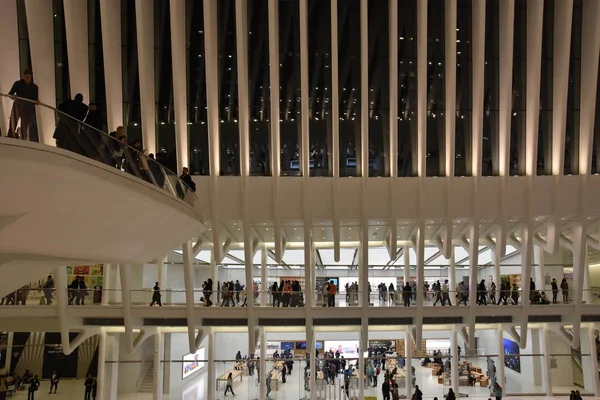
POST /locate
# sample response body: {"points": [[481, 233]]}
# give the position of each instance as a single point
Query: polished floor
{"points": [[293, 389]]}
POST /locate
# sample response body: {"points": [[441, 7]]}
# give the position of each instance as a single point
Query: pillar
{"points": [[593, 360], [408, 353], [159, 355], [9, 346], [262, 389], [101, 384], [189, 278], [506, 44], [9, 47], [501, 377], [211, 373], [363, 340], [178, 49], [406, 264], [110, 13], [264, 285], [421, 88], [546, 367], [76, 28], [454, 360], [497, 274], [587, 291], [40, 25], [452, 271], [144, 22], [106, 287]]}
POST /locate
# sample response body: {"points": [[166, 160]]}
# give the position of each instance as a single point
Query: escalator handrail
{"points": [[104, 134]]}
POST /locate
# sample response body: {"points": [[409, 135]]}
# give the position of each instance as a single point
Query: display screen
{"points": [[193, 362], [287, 346], [512, 358], [319, 345]]}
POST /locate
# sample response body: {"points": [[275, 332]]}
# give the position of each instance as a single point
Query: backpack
{"points": [[377, 371]]}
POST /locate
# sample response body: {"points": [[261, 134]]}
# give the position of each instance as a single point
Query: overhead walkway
{"points": [[95, 200]]}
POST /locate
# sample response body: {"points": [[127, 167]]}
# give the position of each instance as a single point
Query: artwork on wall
{"points": [[193, 362], [512, 358], [92, 274]]}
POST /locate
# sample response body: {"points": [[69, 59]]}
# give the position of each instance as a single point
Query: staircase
{"points": [[577, 368], [147, 385]]}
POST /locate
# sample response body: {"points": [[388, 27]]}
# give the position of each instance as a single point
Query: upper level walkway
{"points": [[95, 200]]}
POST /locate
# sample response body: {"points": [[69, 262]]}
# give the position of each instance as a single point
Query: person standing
{"points": [[564, 286], [229, 386], [54, 379], [156, 295], [406, 294], [23, 109], [451, 395], [189, 182], [332, 290], [385, 390], [497, 391], [34, 385], [89, 386], [49, 289], [554, 291]]}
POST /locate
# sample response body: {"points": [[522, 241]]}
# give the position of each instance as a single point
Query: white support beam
{"points": [[506, 44], [563, 20], [450, 81], [535, 19], [212, 83], [76, 28], [304, 92], [478, 50], [364, 90], [189, 283], [241, 31], [590, 51], [580, 255], [421, 88], [144, 22], [335, 91], [159, 355], [273, 6], [393, 49], [110, 14], [178, 51], [9, 48], [40, 25]]}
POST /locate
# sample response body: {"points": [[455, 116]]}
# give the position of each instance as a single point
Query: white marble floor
{"points": [[293, 389]]}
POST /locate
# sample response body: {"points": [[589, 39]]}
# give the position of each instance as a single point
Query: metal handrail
{"points": [[108, 137]]}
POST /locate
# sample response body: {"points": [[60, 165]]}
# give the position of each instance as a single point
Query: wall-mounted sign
{"points": [[193, 362]]}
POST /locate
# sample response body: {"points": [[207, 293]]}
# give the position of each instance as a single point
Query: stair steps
{"points": [[147, 385]]}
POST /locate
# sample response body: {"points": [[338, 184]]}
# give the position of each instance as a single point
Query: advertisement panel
{"points": [[193, 362]]}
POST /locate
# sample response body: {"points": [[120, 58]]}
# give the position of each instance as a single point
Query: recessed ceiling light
{"points": [[267, 228]]}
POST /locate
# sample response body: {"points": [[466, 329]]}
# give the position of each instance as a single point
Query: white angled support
{"points": [[40, 25], [473, 267], [500, 365], [178, 50], [241, 41], [421, 87], [563, 20], [189, 278], [526, 257], [110, 14], [9, 48], [591, 330], [144, 22], [547, 369], [590, 51], [125, 275], [579, 234], [450, 81], [420, 250], [535, 19], [478, 50], [76, 28], [507, 32], [159, 355], [101, 376], [393, 49], [454, 360]]}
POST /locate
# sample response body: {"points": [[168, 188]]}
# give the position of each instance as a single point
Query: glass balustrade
{"points": [[78, 137]]}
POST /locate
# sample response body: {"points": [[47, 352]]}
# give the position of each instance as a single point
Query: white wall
{"points": [[177, 346], [562, 375], [131, 372]]}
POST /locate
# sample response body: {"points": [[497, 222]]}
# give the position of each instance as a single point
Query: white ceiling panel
{"points": [[378, 256], [293, 257]]}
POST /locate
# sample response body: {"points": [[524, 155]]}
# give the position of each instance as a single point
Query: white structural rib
{"points": [[178, 58], [304, 93], [590, 51], [335, 91], [507, 32], [274, 89], [450, 78], [144, 22], [421, 87], [76, 28], [393, 43], [478, 18], [563, 20], [9, 48], [364, 88], [110, 14], [41, 45], [241, 40], [535, 19]]}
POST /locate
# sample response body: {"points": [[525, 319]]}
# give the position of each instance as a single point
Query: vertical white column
{"points": [[563, 20], [473, 265], [309, 268], [101, 365], [189, 277], [590, 51], [420, 250], [478, 49], [241, 40], [125, 275], [212, 373], [591, 338], [580, 255], [144, 22], [587, 292], [538, 257], [9, 48], [161, 275], [535, 19], [335, 91], [311, 346], [304, 92], [547, 369], [178, 57], [406, 252], [497, 275], [363, 266], [364, 89], [262, 390], [421, 88], [408, 345], [526, 256], [212, 81], [363, 340], [106, 288], [249, 264], [450, 78], [506, 44], [454, 360], [110, 14], [393, 49], [264, 285], [9, 347], [452, 271], [76, 28], [60, 280], [159, 355], [40, 25], [274, 90], [500, 364]]}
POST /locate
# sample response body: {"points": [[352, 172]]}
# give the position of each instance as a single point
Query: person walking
{"points": [[564, 286], [22, 109], [229, 386], [89, 385], [156, 295], [49, 290], [34, 385], [385, 390], [451, 395], [54, 379]]}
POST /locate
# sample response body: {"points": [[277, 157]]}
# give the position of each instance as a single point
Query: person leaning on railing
{"points": [[23, 110]]}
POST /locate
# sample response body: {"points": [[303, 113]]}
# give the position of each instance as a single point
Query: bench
{"points": [[241, 366], [275, 378], [234, 374]]}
